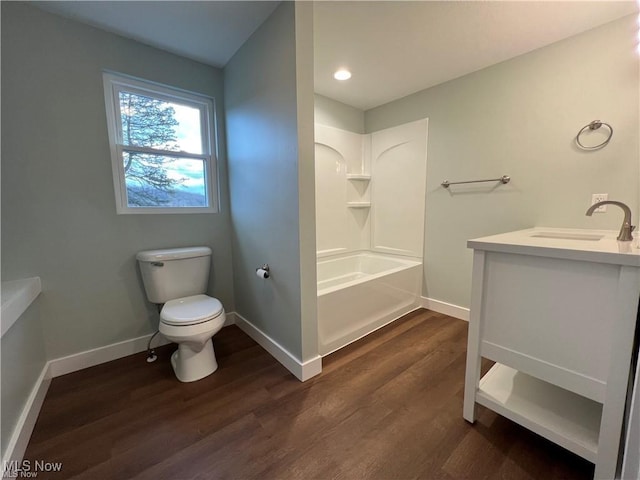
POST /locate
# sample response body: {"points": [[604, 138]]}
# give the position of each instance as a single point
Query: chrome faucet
{"points": [[627, 228]]}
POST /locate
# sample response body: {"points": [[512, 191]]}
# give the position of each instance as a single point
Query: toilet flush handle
{"points": [[157, 264]]}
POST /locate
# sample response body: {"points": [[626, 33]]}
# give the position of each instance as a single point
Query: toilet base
{"points": [[190, 365]]}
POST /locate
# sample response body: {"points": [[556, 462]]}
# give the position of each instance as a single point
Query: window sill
{"points": [[168, 211]]}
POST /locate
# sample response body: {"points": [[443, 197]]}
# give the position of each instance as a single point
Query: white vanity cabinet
{"points": [[556, 310]]}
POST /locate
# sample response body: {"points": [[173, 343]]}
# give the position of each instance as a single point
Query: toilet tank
{"points": [[174, 272]]}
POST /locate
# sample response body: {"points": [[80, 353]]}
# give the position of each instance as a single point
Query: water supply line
{"points": [[151, 353]]}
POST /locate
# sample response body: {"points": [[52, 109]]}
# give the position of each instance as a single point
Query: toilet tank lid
{"points": [[173, 254]]}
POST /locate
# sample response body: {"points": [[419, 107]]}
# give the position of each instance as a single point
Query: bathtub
{"points": [[362, 292]]}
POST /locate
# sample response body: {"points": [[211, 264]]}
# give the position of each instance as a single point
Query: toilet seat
{"points": [[190, 310]]}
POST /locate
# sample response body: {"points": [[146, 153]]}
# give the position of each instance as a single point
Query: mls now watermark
{"points": [[28, 468]]}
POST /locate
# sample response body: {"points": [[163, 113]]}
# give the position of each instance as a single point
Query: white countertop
{"points": [[17, 295], [599, 246]]}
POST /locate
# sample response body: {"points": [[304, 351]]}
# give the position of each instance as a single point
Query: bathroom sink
{"points": [[569, 236], [570, 243]]}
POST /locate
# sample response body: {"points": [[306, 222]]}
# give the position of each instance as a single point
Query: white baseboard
{"points": [[302, 370], [310, 368], [96, 356], [454, 311], [24, 428]]}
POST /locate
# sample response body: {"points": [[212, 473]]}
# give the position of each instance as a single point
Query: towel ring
{"points": [[596, 124]]}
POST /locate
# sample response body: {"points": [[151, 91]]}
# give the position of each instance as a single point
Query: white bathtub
{"points": [[360, 293]]}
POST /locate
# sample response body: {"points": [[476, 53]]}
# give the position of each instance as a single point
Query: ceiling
{"points": [[393, 48], [209, 32]]}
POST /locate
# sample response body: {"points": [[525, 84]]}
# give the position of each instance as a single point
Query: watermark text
{"points": [[28, 468]]}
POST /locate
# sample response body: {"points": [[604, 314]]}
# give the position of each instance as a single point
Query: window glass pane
{"points": [[160, 181], [150, 122]]}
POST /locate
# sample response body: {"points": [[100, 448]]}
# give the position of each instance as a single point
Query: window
{"points": [[161, 147]]}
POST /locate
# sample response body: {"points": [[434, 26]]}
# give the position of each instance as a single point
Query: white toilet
{"points": [[177, 278]]}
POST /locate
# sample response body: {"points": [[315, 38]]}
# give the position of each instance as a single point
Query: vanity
{"points": [[556, 309]]}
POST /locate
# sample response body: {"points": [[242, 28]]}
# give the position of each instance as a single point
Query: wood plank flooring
{"points": [[386, 407]]}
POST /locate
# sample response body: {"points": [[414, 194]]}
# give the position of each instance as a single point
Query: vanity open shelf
{"points": [[556, 310], [568, 419]]}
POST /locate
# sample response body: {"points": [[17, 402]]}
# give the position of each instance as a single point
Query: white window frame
{"points": [[114, 83]]}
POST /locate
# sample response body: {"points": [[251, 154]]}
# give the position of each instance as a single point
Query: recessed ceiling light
{"points": [[342, 74]]}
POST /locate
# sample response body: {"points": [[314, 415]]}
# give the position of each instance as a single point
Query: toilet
{"points": [[177, 279]]}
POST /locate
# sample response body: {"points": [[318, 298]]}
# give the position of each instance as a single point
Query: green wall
{"points": [[59, 219], [269, 107], [337, 114], [519, 118]]}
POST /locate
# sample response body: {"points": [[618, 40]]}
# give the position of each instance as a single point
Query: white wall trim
{"points": [[96, 356], [302, 370], [26, 422], [447, 308]]}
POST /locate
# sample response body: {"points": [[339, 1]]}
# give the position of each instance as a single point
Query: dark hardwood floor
{"points": [[386, 407]]}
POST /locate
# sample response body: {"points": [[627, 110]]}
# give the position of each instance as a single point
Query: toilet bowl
{"points": [[191, 322]]}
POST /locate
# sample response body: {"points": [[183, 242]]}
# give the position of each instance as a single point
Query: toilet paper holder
{"points": [[263, 271]]}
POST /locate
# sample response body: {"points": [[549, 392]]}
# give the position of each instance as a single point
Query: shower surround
{"points": [[370, 205]]}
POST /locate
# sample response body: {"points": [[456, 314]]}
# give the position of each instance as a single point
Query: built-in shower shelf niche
{"points": [[358, 191], [370, 189], [358, 177]]}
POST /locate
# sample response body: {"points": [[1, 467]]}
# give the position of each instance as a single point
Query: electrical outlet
{"points": [[599, 197]]}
